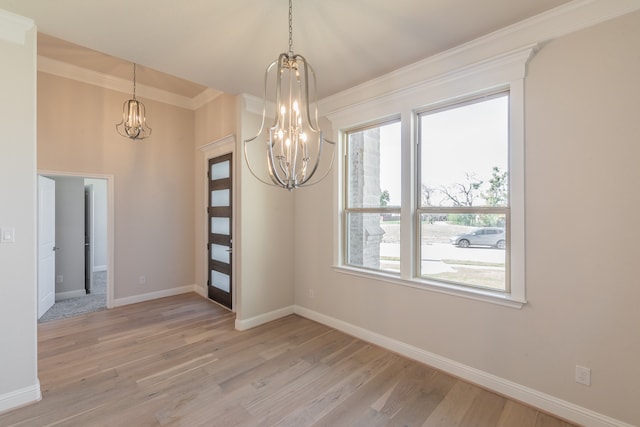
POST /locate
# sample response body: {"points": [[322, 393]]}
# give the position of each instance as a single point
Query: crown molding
{"points": [[557, 22], [73, 72], [255, 105], [204, 98], [13, 28], [229, 139]]}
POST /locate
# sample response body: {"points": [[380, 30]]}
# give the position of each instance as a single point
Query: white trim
{"points": [[84, 75], [252, 322], [537, 399], [22, 397], [111, 256], [97, 268], [221, 142], [119, 302], [204, 98], [13, 28], [458, 291], [504, 71], [255, 105], [202, 292], [571, 17], [60, 296]]}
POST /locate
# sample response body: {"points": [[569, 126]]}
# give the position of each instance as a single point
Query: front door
{"points": [[46, 244], [220, 242]]}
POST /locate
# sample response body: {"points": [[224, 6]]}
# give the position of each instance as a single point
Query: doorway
{"points": [[84, 244], [220, 241]]}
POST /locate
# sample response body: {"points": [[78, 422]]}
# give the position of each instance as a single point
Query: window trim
{"points": [[507, 70]]}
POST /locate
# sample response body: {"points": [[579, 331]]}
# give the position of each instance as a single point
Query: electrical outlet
{"points": [[8, 235], [59, 278], [142, 280], [312, 293], [583, 375]]}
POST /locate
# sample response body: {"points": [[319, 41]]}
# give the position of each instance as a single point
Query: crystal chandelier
{"points": [[134, 122], [295, 144]]}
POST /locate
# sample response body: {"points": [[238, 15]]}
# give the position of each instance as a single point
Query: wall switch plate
{"points": [[7, 235], [583, 375]]}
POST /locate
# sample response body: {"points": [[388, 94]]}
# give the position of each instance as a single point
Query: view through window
{"points": [[372, 214], [464, 194]]}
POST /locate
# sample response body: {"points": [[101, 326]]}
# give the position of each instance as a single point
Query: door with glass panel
{"points": [[220, 240]]}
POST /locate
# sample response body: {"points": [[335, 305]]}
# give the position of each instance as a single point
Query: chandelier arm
{"points": [[246, 157], [273, 169], [306, 183]]}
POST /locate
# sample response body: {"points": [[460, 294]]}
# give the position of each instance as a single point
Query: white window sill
{"points": [[483, 295]]}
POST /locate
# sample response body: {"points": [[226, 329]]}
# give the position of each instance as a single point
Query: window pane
{"points": [[221, 253], [220, 280], [374, 167], [373, 241], [220, 198], [468, 249], [220, 170], [221, 225], [464, 154]]}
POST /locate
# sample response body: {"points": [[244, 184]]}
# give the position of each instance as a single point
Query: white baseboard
{"points": [[19, 398], [243, 325], [537, 399], [70, 294], [118, 302], [97, 268], [200, 291]]}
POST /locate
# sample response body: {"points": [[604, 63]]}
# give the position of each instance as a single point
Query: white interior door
{"points": [[46, 244]]}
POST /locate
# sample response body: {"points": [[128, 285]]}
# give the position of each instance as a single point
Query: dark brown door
{"points": [[220, 242]]}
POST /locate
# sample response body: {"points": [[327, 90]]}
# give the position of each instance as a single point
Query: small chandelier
{"points": [[134, 122], [294, 146]]}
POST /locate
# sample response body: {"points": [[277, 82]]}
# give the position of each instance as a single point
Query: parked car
{"points": [[486, 236]]}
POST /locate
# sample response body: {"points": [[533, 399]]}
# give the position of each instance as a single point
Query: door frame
{"points": [[110, 222], [216, 148]]}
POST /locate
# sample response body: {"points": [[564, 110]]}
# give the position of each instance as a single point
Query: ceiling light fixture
{"points": [[134, 122], [294, 147]]}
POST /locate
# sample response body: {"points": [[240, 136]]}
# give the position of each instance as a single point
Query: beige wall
{"points": [[18, 266], [154, 196], [265, 245], [582, 202]]}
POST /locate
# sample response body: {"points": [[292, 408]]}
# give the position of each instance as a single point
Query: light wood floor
{"points": [[178, 361]]}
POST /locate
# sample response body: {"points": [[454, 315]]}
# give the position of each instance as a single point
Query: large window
{"points": [[434, 199], [463, 206], [372, 213]]}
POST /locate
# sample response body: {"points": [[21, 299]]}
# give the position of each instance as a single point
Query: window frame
{"points": [[345, 193], [420, 210], [505, 71]]}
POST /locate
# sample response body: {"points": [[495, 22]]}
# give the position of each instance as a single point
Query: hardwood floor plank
{"points": [[454, 406], [484, 411], [517, 414], [179, 361]]}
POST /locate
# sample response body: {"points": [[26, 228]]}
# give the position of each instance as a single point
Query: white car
{"points": [[486, 236]]}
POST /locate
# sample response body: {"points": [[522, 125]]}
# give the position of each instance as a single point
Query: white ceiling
{"points": [[226, 45]]}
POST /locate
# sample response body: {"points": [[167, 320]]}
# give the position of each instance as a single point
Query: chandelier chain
{"points": [[134, 80], [290, 27]]}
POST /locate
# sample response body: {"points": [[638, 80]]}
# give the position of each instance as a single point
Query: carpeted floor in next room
{"points": [[95, 301]]}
